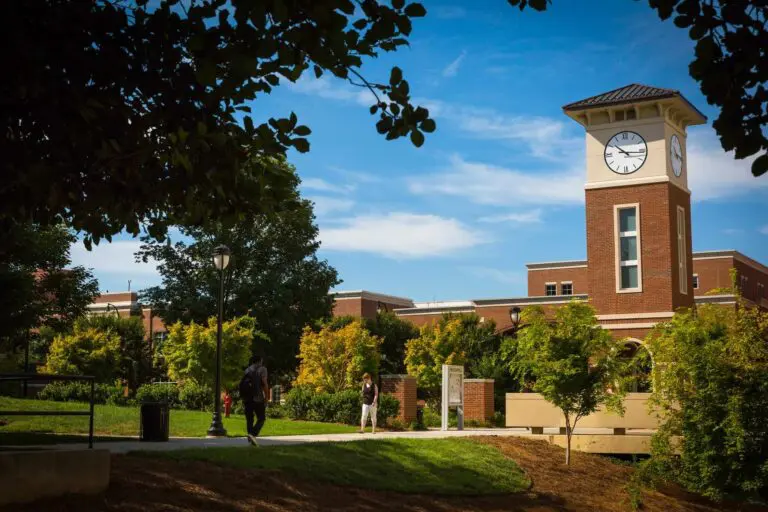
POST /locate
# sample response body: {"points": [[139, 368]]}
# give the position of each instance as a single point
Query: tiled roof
{"points": [[626, 94]]}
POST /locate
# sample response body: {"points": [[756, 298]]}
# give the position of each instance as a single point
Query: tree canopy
{"points": [[575, 363], [137, 115], [37, 289], [730, 64], [711, 385], [274, 275]]}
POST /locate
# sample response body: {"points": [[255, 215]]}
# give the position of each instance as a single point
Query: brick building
{"points": [[126, 304], [640, 267]]}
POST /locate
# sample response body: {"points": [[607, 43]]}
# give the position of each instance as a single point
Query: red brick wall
{"points": [[537, 279], [348, 307], [402, 387], [714, 273], [478, 399], [754, 276], [658, 241]]}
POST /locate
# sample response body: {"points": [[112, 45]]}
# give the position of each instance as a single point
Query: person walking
{"points": [[253, 391], [370, 400]]}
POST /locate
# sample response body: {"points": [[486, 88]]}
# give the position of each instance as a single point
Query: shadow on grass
{"points": [[441, 466], [9, 439]]}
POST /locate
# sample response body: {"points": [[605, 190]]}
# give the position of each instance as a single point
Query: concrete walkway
{"points": [[181, 443]]}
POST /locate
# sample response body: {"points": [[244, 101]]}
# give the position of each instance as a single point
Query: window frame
{"points": [[695, 281], [617, 236], [682, 251], [561, 288], [546, 285]]}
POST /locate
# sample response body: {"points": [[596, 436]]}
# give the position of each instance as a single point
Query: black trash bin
{"points": [[154, 422]]}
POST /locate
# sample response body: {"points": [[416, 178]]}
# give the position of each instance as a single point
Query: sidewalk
{"points": [[181, 443]]}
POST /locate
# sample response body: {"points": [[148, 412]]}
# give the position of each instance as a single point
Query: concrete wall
{"points": [[31, 475], [531, 410]]}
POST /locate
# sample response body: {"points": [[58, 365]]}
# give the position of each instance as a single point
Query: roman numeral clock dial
{"points": [[625, 152]]}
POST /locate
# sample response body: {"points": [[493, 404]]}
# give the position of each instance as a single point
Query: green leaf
{"points": [[417, 138], [398, 4], [760, 165], [206, 72], [428, 125], [395, 76], [415, 11], [301, 145], [302, 131]]}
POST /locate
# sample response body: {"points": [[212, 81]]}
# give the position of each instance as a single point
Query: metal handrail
{"points": [[25, 377]]}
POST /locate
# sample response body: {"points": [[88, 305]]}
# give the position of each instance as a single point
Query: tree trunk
{"points": [[568, 434]]}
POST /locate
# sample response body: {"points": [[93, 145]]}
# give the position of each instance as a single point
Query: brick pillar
{"points": [[402, 387], [478, 399]]}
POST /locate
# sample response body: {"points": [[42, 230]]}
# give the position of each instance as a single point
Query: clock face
{"points": [[676, 155], [625, 152]]}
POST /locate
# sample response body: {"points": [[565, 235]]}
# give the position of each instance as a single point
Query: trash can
{"points": [[154, 422]]}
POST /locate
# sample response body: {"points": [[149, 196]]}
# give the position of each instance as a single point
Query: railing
{"points": [[25, 377]]}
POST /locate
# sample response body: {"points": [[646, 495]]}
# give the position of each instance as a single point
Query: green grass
{"points": [[112, 421], [441, 466]]}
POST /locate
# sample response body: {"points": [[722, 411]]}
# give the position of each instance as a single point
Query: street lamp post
{"points": [[220, 261], [514, 315]]}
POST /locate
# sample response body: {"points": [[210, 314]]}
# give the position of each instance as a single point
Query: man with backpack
{"points": [[253, 389]]}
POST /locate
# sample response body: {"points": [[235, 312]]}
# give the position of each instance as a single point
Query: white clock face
{"points": [[676, 155], [625, 152]]}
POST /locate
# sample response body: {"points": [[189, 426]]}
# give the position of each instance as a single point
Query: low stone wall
{"points": [[26, 476], [531, 410]]}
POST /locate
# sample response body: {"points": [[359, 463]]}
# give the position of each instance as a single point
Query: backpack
{"points": [[250, 386]]}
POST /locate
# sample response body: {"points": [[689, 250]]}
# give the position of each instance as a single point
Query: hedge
{"points": [[303, 403]]}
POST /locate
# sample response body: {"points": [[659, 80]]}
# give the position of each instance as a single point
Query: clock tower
{"points": [[638, 204]]}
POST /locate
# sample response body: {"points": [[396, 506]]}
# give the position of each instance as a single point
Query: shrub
{"points": [[275, 411], [195, 397], [159, 393], [303, 403], [334, 360], [88, 351], [73, 392]]}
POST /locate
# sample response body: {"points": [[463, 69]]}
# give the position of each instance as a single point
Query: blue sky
{"points": [[500, 183]]}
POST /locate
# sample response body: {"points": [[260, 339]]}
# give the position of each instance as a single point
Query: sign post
{"points": [[453, 394]]}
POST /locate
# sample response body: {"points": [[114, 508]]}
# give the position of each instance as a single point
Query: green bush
{"points": [[73, 392], [275, 411], [195, 397], [303, 403], [159, 393]]}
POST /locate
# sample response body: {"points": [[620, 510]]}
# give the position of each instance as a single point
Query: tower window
{"points": [[695, 281], [682, 257], [566, 288], [550, 289], [760, 291], [628, 270]]}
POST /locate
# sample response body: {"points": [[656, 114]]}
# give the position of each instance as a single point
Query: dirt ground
{"points": [[591, 484]]}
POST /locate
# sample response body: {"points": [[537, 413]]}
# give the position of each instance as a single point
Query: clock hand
{"points": [[617, 147]]}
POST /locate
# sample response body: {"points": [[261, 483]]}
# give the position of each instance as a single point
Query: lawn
{"points": [[112, 421], [441, 466]]}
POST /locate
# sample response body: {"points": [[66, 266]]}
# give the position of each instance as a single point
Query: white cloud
{"points": [[357, 176], [544, 137], [325, 88], [401, 236], [529, 217], [325, 205], [323, 186], [452, 69], [715, 174], [499, 186], [114, 262], [494, 274], [764, 229], [112, 258], [733, 231]]}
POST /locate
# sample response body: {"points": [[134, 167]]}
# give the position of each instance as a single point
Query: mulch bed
{"points": [[592, 483]]}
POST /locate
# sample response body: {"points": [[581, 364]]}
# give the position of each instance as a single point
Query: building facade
{"points": [[127, 304], [640, 266]]}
